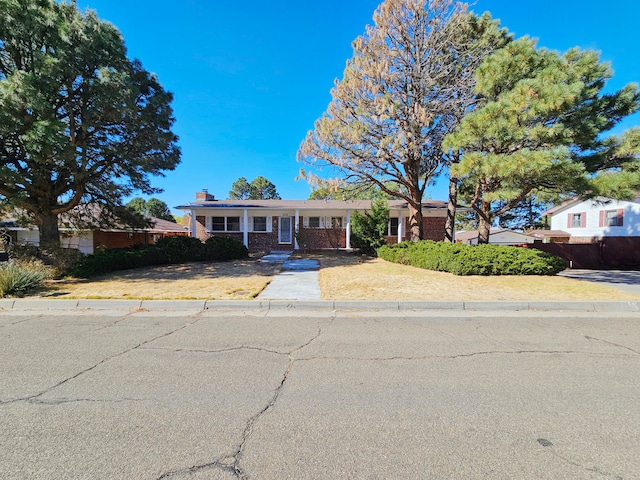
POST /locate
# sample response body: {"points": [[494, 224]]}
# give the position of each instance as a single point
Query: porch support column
{"points": [[245, 229], [400, 224], [296, 229], [194, 230], [348, 242]]}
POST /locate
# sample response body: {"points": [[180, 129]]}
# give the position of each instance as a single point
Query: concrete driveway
{"points": [[313, 395], [626, 280]]}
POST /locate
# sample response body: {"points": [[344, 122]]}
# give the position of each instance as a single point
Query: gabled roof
{"points": [[471, 234], [165, 226], [307, 204], [562, 206], [157, 226], [548, 233], [573, 201]]}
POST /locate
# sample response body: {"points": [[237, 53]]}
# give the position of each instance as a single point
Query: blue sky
{"points": [[251, 77]]}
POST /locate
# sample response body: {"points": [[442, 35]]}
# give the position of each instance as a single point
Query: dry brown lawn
{"points": [[348, 277], [235, 280], [342, 277]]}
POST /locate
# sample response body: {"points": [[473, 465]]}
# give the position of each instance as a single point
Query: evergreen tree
{"points": [[542, 121], [240, 189], [151, 208], [260, 188], [369, 229], [80, 123]]}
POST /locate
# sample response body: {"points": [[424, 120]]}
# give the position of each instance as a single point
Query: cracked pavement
{"points": [[310, 395]]}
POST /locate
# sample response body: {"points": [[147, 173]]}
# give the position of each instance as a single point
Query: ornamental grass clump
{"points": [[20, 278]]}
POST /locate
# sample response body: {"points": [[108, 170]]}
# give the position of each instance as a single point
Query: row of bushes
{"points": [[166, 251], [473, 260]]}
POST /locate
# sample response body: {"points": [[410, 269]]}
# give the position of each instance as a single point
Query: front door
{"points": [[284, 235]]}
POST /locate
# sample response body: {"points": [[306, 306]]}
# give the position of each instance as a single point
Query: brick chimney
{"points": [[204, 196]]}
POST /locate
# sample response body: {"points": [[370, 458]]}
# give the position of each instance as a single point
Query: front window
{"points": [[393, 227], [233, 224], [225, 224], [217, 224], [259, 224], [314, 222], [336, 222]]}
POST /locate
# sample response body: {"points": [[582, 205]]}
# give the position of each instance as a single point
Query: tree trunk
{"points": [[415, 223], [449, 228], [49, 232], [484, 230]]}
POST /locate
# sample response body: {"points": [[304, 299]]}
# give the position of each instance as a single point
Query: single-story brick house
{"points": [[265, 225], [91, 240]]}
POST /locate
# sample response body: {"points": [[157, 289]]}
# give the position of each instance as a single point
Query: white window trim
{"points": [[268, 220], [209, 223]]}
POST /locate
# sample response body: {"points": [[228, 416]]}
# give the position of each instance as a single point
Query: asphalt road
{"points": [[206, 395]]}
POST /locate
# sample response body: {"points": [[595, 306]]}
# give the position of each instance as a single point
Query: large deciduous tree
{"points": [[408, 83], [80, 123], [540, 130]]}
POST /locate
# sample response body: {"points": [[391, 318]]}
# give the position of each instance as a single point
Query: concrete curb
{"points": [[319, 305]]}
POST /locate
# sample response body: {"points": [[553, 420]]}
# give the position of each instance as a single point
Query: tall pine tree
{"points": [[540, 127]]}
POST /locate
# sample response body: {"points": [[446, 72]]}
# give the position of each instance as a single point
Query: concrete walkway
{"points": [[297, 281]]}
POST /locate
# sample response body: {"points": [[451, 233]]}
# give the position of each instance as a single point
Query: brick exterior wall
{"points": [[312, 238], [433, 228], [103, 240], [322, 238]]}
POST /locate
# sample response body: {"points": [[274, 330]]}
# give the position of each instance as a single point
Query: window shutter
{"points": [[250, 224], [583, 219], [603, 215], [305, 222], [568, 220], [207, 223], [620, 222], [269, 225]]}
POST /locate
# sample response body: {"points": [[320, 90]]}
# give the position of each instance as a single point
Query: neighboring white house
{"points": [[497, 236], [591, 220]]}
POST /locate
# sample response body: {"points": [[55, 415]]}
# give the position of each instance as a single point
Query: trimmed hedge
{"points": [[167, 250], [473, 259]]}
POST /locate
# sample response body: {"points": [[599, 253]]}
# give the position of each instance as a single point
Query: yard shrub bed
{"points": [[462, 259], [166, 251]]}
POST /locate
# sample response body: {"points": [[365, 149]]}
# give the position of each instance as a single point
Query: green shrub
{"points": [[221, 247], [181, 249], [473, 259], [20, 278], [166, 251], [368, 230]]}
